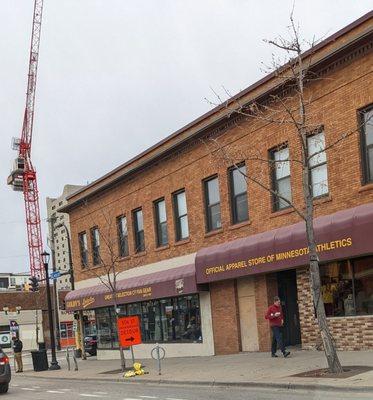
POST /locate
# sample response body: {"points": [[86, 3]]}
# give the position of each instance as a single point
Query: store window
{"points": [[238, 191], [281, 183], [95, 240], [138, 224], [366, 122], [181, 215], [212, 204], [66, 330], [161, 222], [347, 287], [318, 164], [107, 336], [174, 319], [122, 236], [83, 247]]}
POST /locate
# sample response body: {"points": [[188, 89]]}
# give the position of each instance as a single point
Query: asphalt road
{"points": [[30, 388]]}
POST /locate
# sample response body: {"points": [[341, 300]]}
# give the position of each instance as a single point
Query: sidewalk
{"points": [[245, 369]]}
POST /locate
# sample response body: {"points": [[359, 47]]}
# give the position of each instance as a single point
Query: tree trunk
{"points": [[327, 339], [122, 358]]}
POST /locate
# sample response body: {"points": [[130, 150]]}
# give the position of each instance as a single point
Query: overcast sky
{"points": [[117, 76]]}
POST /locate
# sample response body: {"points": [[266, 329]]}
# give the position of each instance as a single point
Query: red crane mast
{"points": [[23, 176]]}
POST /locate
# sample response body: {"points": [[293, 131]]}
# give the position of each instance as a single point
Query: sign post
{"points": [[55, 275], [14, 328], [129, 332]]}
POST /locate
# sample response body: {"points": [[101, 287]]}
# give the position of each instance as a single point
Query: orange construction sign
{"points": [[129, 331]]}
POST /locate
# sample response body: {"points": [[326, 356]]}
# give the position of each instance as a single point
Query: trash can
{"points": [[39, 360], [41, 345]]}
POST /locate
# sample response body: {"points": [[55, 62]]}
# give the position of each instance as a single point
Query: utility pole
{"points": [[54, 363], [56, 318]]}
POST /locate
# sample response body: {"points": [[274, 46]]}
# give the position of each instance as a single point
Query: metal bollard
{"points": [[75, 362], [160, 354], [68, 358]]}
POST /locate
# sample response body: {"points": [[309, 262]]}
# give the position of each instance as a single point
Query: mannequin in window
{"points": [[327, 292], [349, 305]]}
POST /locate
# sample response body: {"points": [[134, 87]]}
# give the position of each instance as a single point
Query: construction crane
{"points": [[23, 175]]}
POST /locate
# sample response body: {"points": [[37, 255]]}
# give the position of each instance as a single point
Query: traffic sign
{"points": [[14, 327], [129, 331], [55, 274]]}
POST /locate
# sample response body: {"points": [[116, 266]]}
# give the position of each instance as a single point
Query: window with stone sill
{"points": [[318, 165], [95, 240], [212, 204], [181, 215], [281, 182], [83, 248], [238, 193], [366, 128], [161, 222], [138, 226]]}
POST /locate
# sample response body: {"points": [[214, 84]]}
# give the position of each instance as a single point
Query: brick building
{"points": [[201, 253], [22, 306]]}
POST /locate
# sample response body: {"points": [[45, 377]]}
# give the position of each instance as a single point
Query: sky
{"points": [[117, 76]]}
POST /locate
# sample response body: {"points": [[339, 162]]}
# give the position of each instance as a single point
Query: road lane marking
{"points": [[89, 395], [55, 391], [149, 397], [100, 392], [28, 389], [173, 398]]}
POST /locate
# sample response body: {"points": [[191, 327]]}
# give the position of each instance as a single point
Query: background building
{"points": [[58, 224], [14, 281]]}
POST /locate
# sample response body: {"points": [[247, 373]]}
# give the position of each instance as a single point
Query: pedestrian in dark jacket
{"points": [[276, 321], [17, 349]]}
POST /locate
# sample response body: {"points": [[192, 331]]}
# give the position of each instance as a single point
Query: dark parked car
{"points": [[5, 374], [90, 344]]}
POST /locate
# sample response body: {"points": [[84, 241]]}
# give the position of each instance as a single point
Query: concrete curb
{"points": [[252, 384]]}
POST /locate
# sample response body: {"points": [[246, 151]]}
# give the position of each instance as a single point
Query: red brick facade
{"points": [[335, 101]]}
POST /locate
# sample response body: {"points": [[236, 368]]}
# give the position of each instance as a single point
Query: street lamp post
{"points": [[54, 364], [80, 336]]}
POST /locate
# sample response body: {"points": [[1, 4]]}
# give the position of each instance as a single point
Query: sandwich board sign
{"points": [[129, 331]]}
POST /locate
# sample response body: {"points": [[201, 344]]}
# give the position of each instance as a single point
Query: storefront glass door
{"points": [[287, 290]]}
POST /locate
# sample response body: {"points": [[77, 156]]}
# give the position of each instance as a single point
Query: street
{"points": [[30, 388]]}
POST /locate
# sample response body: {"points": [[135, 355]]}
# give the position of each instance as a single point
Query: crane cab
{"points": [[15, 179]]}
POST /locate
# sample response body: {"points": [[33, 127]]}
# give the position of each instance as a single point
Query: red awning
{"points": [[168, 283], [344, 234]]}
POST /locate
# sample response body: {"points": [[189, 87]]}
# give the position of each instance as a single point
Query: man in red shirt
{"points": [[276, 321]]}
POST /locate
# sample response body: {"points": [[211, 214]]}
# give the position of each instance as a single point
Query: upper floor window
{"points": [[95, 240], [83, 248], [181, 215], [238, 190], [212, 202], [367, 143], [318, 165], [161, 222], [280, 178], [138, 224], [122, 236]]}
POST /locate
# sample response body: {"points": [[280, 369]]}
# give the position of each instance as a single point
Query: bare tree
{"points": [[289, 106], [108, 256]]}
